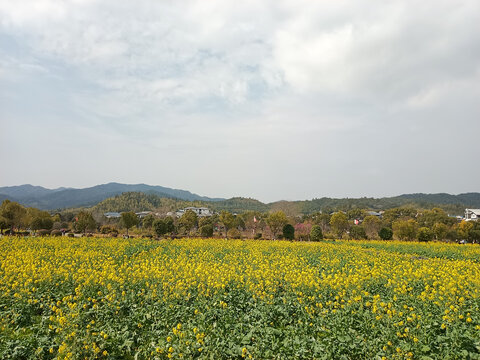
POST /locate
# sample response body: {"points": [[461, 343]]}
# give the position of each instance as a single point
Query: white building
{"points": [[112, 215], [142, 214], [472, 214], [200, 211]]}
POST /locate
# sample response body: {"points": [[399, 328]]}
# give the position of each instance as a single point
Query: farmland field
{"points": [[142, 299]]}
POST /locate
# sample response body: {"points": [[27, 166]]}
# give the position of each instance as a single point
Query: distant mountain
{"points": [[49, 199], [122, 197]]}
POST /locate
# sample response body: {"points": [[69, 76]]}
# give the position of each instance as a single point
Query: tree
{"points": [[372, 225], [38, 219], [464, 229], [189, 220], [405, 229], [430, 217], [13, 214], [159, 227], [357, 232], [339, 223], [148, 221], [227, 220], [440, 231], [169, 225], [276, 221], [84, 221], [206, 230], [355, 214], [385, 233], [425, 234], [3, 224], [288, 232], [128, 219], [316, 233], [324, 221], [391, 215]]}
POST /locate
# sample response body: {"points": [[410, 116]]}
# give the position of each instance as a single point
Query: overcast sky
{"points": [[266, 99]]}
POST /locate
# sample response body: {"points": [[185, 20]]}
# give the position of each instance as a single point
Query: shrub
{"points": [[357, 232], [159, 227], [71, 235], [316, 233], [258, 236], [425, 234], [385, 233], [288, 232], [43, 232], [56, 233], [113, 234], [234, 234], [206, 230], [105, 229]]}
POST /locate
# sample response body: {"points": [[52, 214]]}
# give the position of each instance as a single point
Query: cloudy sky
{"points": [[266, 99]]}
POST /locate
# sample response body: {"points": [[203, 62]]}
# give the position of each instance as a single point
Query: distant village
{"points": [[470, 214]]}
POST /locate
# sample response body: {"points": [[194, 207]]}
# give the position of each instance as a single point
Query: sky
{"points": [[265, 99]]}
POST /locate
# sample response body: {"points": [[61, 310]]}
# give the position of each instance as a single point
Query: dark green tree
{"points": [[206, 230], [169, 225], [159, 227], [357, 232], [288, 232], [316, 233], [385, 233]]}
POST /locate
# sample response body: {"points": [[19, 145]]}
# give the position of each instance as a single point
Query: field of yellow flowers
{"points": [[92, 298]]}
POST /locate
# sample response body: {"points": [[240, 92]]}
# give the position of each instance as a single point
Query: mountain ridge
{"points": [[110, 197], [61, 198]]}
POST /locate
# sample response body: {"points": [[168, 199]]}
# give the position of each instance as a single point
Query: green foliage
{"points": [[13, 214], [339, 223], [425, 234], [128, 219], [37, 219], [148, 221], [169, 224], [276, 221], [159, 227], [84, 221], [288, 232], [355, 214], [189, 220], [206, 230], [227, 220], [385, 233], [316, 233], [464, 229], [405, 229], [357, 232], [440, 231]]}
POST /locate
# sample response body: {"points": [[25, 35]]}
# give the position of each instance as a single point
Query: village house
{"points": [[200, 211], [472, 214]]}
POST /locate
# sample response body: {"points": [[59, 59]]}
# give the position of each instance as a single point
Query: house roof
{"points": [[475, 211]]}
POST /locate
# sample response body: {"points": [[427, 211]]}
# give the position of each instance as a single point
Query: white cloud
{"points": [[317, 87]]}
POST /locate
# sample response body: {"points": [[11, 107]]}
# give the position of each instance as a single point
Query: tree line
{"points": [[403, 223]]}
